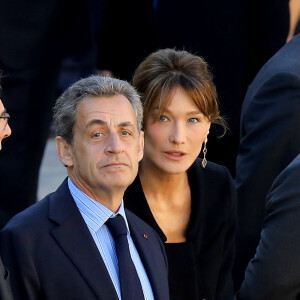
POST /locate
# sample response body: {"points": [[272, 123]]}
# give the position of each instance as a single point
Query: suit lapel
{"points": [[146, 248], [73, 236]]}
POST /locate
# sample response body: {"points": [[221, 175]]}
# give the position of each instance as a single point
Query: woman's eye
{"points": [[163, 118], [193, 120]]}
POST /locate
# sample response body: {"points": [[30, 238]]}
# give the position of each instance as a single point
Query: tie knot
{"points": [[117, 226]]}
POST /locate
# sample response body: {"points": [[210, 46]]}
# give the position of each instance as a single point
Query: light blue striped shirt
{"points": [[95, 215]]}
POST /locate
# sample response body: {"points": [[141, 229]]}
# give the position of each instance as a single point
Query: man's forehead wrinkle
{"points": [[115, 112]]}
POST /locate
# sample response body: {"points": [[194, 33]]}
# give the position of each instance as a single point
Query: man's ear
{"points": [[64, 151], [141, 146]]}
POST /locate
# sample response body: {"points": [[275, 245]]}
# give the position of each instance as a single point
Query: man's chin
{"points": [[120, 184], [120, 179]]}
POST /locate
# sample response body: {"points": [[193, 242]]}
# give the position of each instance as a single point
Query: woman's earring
{"points": [[204, 161]]}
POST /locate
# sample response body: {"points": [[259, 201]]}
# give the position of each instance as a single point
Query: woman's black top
{"points": [[199, 268]]}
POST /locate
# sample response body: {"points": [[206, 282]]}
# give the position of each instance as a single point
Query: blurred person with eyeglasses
{"points": [[5, 131]]}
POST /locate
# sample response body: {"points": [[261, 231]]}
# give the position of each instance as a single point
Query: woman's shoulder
{"points": [[214, 180], [213, 195], [211, 169]]}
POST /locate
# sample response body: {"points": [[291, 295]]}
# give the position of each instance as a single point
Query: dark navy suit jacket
{"points": [[51, 254], [274, 273], [5, 291], [270, 140]]}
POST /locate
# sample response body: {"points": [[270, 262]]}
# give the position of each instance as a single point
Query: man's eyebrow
{"points": [[103, 123], [125, 124], [95, 121]]}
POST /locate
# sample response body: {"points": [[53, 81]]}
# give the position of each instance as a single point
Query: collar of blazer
{"points": [[73, 236]]}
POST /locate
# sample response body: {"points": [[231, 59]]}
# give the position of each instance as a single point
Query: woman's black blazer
{"points": [[201, 267]]}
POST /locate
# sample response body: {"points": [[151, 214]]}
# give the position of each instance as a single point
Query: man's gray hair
{"points": [[65, 109]]}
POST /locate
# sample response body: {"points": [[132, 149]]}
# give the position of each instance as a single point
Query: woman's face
{"points": [[174, 139]]}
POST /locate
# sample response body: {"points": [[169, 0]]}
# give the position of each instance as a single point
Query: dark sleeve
{"points": [[270, 140], [274, 272], [17, 259], [224, 288], [31, 34]]}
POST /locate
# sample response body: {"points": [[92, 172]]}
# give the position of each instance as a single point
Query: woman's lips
{"points": [[175, 155]]}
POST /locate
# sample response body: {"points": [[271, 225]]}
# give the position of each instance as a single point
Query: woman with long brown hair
{"points": [[189, 201]]}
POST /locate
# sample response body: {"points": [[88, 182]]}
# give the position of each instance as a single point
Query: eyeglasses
{"points": [[5, 116]]}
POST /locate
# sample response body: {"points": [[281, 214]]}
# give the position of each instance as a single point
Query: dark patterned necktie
{"points": [[131, 288]]}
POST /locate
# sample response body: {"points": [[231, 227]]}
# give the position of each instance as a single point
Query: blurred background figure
{"points": [[235, 37], [270, 140], [34, 40], [274, 271], [83, 64], [5, 131]]}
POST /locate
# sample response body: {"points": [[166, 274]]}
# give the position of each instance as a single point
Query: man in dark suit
{"points": [[5, 131], [270, 140], [34, 36], [62, 247], [274, 272], [5, 291], [235, 37]]}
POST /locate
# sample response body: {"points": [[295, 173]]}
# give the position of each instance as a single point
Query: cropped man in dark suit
{"points": [[52, 248], [270, 140], [274, 272], [34, 36], [5, 291], [5, 131], [235, 37]]}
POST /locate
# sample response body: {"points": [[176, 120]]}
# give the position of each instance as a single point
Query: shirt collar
{"points": [[96, 212]]}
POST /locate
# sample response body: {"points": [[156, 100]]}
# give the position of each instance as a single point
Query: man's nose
{"points": [[114, 143], [7, 131]]}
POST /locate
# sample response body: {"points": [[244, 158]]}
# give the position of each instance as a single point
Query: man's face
{"points": [[106, 145], [5, 130]]}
